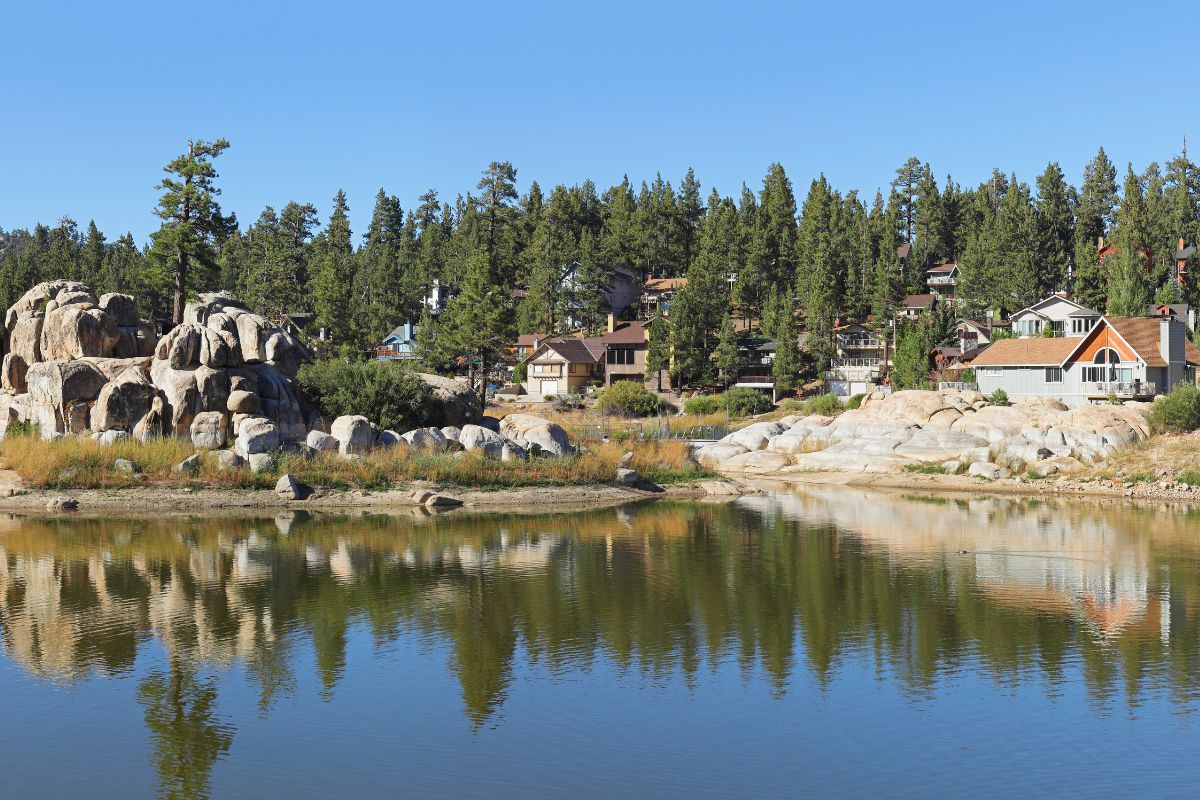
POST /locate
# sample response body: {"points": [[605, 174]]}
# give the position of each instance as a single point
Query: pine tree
{"points": [[1093, 218], [658, 348], [785, 368], [906, 186], [817, 278], [691, 212], [594, 283], [1128, 289], [1055, 216], [192, 218], [92, 259], [331, 285], [726, 355], [478, 322]]}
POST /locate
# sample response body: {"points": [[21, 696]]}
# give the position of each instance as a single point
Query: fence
{"points": [[957, 386]]}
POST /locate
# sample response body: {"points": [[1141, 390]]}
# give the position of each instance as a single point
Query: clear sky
{"points": [[317, 96]]}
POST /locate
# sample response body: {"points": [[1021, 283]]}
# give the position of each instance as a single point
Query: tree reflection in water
{"points": [[801, 582]]}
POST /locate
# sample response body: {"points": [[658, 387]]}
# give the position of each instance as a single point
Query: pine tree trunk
{"points": [[180, 286]]}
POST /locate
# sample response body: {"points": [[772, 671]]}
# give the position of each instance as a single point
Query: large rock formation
{"points": [[75, 364], [953, 430]]}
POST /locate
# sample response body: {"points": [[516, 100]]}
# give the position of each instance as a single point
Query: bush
{"points": [[1178, 412], [855, 401], [629, 399], [384, 392], [744, 402], [826, 405], [702, 404], [998, 398]]}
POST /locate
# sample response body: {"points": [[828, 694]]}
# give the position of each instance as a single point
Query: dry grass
{"points": [[78, 463]]}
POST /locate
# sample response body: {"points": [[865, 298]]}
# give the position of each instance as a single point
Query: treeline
{"points": [[761, 256]]}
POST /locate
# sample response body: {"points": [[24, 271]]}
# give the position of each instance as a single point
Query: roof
{"points": [[626, 333], [1142, 334], [971, 353], [661, 284], [903, 250], [942, 269], [577, 351], [918, 301], [1185, 253], [398, 333], [1027, 352], [1080, 309], [530, 339]]}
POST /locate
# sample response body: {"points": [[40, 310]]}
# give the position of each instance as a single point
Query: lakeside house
{"points": [[1062, 315], [1133, 358], [859, 361], [623, 291], [756, 360], [562, 366], [625, 346]]}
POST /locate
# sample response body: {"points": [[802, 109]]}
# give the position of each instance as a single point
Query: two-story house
{"points": [[859, 361], [399, 345], [625, 346], [1059, 312], [562, 366], [1126, 357], [942, 278]]}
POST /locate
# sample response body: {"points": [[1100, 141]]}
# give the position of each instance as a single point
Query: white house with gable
{"points": [[1058, 312]]}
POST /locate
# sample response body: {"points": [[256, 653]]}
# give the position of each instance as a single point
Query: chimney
{"points": [[1171, 346], [1100, 244], [612, 322]]}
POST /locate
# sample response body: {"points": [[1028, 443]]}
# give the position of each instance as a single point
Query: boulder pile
{"points": [[74, 364], [223, 379], [954, 430]]}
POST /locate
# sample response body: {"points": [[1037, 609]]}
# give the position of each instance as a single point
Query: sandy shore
{"points": [[538, 499]]}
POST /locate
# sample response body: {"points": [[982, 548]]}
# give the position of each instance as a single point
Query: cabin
{"points": [[913, 306], [563, 366], [399, 345], [942, 278], [1059, 312], [1132, 358]]}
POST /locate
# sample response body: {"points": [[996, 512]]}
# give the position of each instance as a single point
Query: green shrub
{"points": [[1113, 400], [702, 404], [791, 405], [967, 376], [1178, 412], [855, 401], [1191, 477], [998, 398], [745, 402], [520, 373], [824, 404], [629, 399], [384, 392], [926, 469]]}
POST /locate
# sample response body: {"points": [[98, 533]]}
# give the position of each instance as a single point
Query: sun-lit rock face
{"points": [[77, 364], [950, 429]]}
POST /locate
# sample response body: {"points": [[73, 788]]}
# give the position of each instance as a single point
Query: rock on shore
{"points": [[953, 430]]}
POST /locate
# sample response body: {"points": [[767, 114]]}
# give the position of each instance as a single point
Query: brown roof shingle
{"points": [[1027, 352], [626, 333], [1142, 333]]}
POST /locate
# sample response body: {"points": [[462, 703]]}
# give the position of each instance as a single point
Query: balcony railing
{"points": [[942, 280], [755, 377], [852, 363], [957, 386], [1120, 388], [860, 342]]}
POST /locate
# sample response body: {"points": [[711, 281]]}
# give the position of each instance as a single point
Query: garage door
{"points": [[549, 387]]}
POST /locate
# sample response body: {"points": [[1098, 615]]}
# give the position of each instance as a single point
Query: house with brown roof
{"points": [[1133, 358], [562, 366], [625, 347], [1058, 312], [942, 278]]}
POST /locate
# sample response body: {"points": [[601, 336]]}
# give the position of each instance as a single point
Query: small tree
{"points": [[726, 354], [658, 356], [914, 348]]}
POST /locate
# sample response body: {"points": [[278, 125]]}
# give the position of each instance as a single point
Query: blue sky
{"points": [[320, 96]]}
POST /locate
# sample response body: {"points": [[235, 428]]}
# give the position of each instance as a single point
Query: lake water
{"points": [[818, 644]]}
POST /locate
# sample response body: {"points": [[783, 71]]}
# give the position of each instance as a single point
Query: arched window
{"points": [[1106, 355]]}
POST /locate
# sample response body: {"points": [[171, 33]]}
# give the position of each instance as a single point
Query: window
{"points": [[1054, 375], [620, 355], [1106, 355]]}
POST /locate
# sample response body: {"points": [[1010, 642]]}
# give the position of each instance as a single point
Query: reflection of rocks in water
{"points": [[815, 579]]}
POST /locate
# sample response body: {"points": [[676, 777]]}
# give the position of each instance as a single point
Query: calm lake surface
{"points": [[816, 644]]}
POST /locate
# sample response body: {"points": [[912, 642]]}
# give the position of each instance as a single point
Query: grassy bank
{"points": [[77, 463]]}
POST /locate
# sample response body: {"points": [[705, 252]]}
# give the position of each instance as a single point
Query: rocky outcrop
{"points": [[953, 430]]}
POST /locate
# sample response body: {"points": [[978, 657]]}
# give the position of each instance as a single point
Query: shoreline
{"points": [[1099, 488], [526, 500]]}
